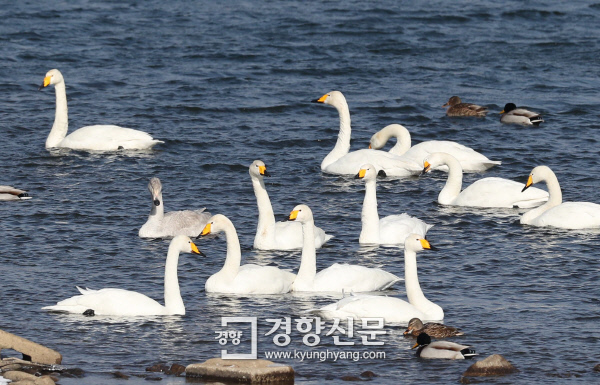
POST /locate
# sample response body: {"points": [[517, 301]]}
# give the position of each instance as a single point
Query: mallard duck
{"points": [[458, 108], [434, 329], [9, 193], [513, 115], [441, 349]]}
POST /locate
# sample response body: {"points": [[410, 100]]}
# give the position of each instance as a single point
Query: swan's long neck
{"points": [[403, 139], [370, 217], [157, 212], [234, 252], [554, 199], [308, 261], [61, 117], [453, 184], [413, 289], [266, 217], [342, 146], [173, 300]]}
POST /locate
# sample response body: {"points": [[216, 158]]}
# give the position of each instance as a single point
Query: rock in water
{"points": [[494, 365]]}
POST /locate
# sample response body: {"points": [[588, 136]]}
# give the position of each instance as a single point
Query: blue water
{"points": [[226, 83]]}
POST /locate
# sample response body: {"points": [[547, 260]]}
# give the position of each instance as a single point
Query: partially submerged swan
{"points": [[121, 302], [168, 225], [9, 193], [89, 138]]}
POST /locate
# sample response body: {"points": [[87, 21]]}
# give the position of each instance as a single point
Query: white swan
{"points": [[568, 215], [470, 160], [337, 277], [161, 225], [390, 230], [271, 235], [342, 162], [486, 192], [245, 279], [89, 138], [9, 193], [130, 303], [392, 309]]}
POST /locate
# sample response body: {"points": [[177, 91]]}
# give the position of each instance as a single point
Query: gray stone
{"points": [[18, 376], [44, 380], [30, 350], [245, 371], [494, 365]]}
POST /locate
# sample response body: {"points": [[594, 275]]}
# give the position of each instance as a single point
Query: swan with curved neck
{"points": [[338, 277], [555, 213], [89, 138], [390, 308], [342, 162], [486, 192], [235, 278], [470, 160], [168, 225], [390, 230], [130, 303], [271, 235]]}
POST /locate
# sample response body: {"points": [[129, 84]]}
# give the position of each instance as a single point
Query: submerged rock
{"points": [[248, 371], [494, 365]]}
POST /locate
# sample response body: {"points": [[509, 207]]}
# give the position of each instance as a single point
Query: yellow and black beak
{"points": [[321, 99], [293, 215], [263, 171], [528, 184], [195, 250], [370, 147], [426, 167], [426, 245], [206, 229], [46, 83], [361, 174]]}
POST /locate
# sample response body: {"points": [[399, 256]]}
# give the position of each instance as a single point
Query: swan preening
{"points": [[441, 349], [168, 225], [391, 309], [9, 193], [512, 114], [486, 192], [470, 160], [342, 162], [390, 230], [119, 302], [244, 279], [271, 235], [89, 138], [457, 108], [568, 215], [335, 278]]}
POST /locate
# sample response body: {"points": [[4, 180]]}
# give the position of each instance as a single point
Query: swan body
{"points": [[470, 160], [271, 235], [486, 192], [457, 108], [342, 162], [9, 193], [555, 213], [338, 277], [168, 225], [441, 349], [512, 114], [89, 138], [390, 230], [394, 310], [244, 279], [434, 329], [121, 302]]}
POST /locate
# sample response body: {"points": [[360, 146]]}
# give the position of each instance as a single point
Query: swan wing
{"points": [[353, 278], [469, 159], [288, 236], [500, 192], [253, 279], [108, 138], [393, 310], [186, 222], [394, 229], [393, 165], [571, 215]]}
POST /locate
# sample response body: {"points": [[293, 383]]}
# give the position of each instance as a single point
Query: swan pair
{"points": [[119, 302], [568, 215], [161, 225], [486, 192], [392, 309], [254, 279], [9, 193], [89, 138]]}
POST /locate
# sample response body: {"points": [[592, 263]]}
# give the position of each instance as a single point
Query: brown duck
{"points": [[458, 108], [436, 330]]}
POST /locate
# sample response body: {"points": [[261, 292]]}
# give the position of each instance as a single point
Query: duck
{"points": [[339, 277], [441, 349], [555, 213], [513, 115], [9, 193], [434, 329], [235, 278], [470, 160], [342, 162], [457, 108], [392, 309], [389, 230], [271, 235], [120, 302], [89, 138], [486, 192], [168, 225]]}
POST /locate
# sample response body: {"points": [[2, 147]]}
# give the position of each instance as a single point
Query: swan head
{"points": [[538, 174], [413, 324], [415, 242], [333, 98], [155, 188], [186, 245], [422, 340], [508, 107], [301, 213], [454, 100], [368, 172], [52, 77], [258, 169], [437, 159], [216, 224]]}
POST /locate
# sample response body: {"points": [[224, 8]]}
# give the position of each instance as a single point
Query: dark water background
{"points": [[228, 82]]}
